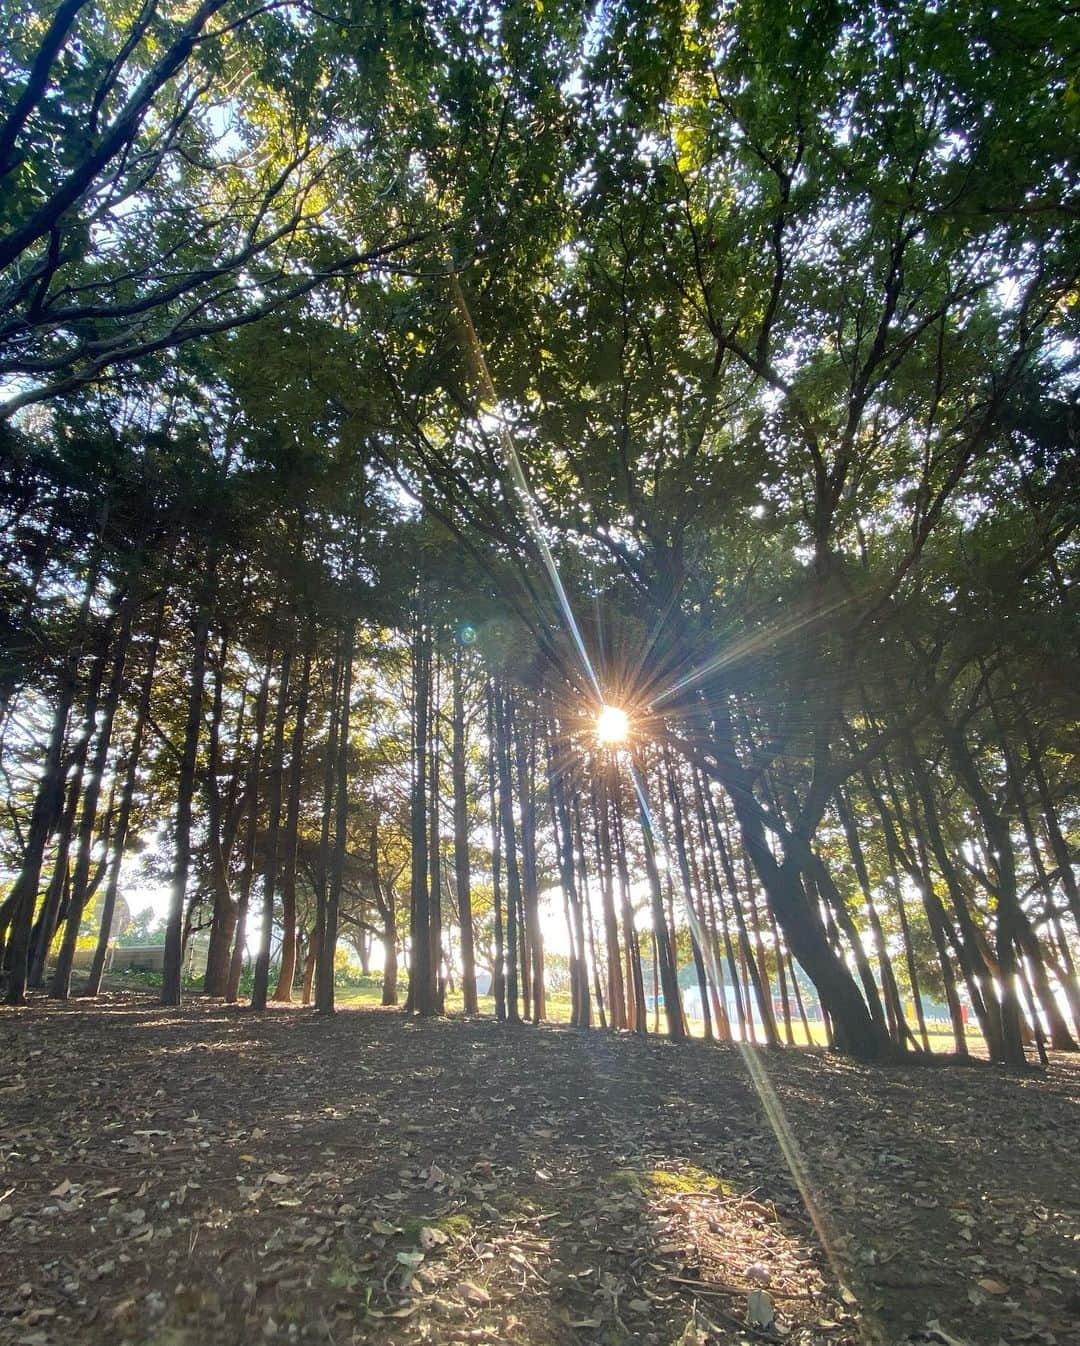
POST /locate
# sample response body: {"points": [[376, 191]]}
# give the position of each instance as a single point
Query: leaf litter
{"points": [[371, 1180]]}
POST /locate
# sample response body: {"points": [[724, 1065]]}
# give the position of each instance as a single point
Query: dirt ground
{"points": [[205, 1177]]}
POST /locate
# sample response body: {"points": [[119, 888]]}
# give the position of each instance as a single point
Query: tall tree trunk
{"points": [[1051, 823], [462, 874], [708, 844], [586, 899], [307, 980], [385, 900], [58, 892], [602, 837], [435, 921], [60, 986], [665, 954], [856, 1033], [497, 976], [324, 990], [127, 801], [322, 855], [171, 967], [261, 983], [223, 916], [638, 1016], [979, 976], [754, 973], [48, 801], [513, 875], [697, 932], [287, 972], [894, 1010], [421, 999], [526, 751], [236, 960]]}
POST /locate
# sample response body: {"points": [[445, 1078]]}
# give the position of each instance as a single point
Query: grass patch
{"points": [[455, 1225], [626, 1180], [666, 1182]]}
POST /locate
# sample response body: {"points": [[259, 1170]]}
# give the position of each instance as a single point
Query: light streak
{"points": [[770, 1103], [517, 472]]}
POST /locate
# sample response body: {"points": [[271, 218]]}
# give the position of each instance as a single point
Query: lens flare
{"points": [[612, 726]]}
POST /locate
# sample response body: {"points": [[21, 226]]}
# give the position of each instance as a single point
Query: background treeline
{"points": [[779, 312]]}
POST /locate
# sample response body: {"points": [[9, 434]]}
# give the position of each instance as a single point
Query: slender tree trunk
{"points": [[261, 985], [324, 989], [665, 954], [287, 972], [602, 837], [231, 984], [798, 999], [171, 966], [1051, 823], [386, 902], [311, 957], [322, 855], [435, 837], [638, 1019], [526, 751], [462, 874], [708, 849], [48, 801], [127, 801], [753, 970], [60, 986], [421, 999], [588, 911], [58, 893], [223, 918], [497, 976], [781, 977], [697, 933], [513, 876], [984, 997], [1060, 1037], [707, 918]]}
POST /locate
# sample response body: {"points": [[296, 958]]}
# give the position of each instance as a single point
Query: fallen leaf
{"points": [[759, 1309], [992, 1286], [934, 1328]]}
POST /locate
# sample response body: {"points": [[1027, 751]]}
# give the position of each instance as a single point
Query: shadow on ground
{"points": [[206, 1176]]}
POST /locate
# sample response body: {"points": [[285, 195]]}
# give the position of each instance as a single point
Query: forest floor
{"points": [[209, 1177]]}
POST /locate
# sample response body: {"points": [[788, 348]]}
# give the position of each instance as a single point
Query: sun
{"points": [[612, 726]]}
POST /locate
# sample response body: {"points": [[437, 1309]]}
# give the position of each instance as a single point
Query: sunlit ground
{"points": [[178, 1177]]}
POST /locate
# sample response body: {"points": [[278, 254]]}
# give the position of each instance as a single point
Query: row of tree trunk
{"points": [[734, 884]]}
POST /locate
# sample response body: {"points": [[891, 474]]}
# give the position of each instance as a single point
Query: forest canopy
{"points": [[471, 467]]}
